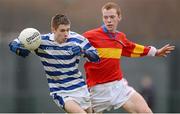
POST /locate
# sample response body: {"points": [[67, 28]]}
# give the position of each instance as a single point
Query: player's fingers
{"points": [[167, 45], [164, 47], [163, 55], [167, 52], [172, 47], [169, 48]]}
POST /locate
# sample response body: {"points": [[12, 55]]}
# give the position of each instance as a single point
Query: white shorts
{"points": [[80, 96], [110, 95]]}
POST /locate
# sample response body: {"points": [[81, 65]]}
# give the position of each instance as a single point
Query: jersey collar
{"points": [[51, 37], [111, 35]]}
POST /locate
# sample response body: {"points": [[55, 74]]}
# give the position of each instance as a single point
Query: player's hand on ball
{"points": [[18, 49], [30, 38]]}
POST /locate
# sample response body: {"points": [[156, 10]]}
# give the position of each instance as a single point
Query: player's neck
{"points": [[108, 31]]}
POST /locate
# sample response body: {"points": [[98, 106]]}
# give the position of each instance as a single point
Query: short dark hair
{"points": [[112, 5], [59, 19]]}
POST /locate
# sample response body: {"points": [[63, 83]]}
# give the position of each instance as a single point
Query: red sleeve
{"points": [[132, 49]]}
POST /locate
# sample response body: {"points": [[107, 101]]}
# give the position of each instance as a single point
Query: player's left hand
{"points": [[76, 50], [18, 49], [162, 52]]}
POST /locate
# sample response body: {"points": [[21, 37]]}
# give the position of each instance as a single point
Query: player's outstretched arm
{"points": [[16, 47], [165, 50]]}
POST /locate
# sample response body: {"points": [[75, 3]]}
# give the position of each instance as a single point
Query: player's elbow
{"points": [[93, 57]]}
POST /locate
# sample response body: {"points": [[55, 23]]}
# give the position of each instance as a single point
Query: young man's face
{"points": [[111, 19], [61, 33]]}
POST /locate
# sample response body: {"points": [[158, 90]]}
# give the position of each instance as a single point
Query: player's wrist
{"points": [[153, 51]]}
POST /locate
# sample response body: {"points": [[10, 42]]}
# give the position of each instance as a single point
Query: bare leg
{"points": [[72, 107], [136, 104]]}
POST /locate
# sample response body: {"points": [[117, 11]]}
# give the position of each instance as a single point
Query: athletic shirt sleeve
{"points": [[132, 49]]}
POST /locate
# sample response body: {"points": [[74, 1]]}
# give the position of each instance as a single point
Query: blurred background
{"points": [[23, 84]]}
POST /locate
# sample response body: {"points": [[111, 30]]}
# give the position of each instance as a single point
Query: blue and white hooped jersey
{"points": [[60, 66]]}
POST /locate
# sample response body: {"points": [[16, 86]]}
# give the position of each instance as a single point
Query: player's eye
{"points": [[62, 30], [112, 17], [68, 30], [105, 17]]}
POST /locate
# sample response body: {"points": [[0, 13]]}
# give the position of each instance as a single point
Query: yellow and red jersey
{"points": [[110, 48]]}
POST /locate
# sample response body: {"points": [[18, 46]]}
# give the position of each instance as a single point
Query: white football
{"points": [[30, 38]]}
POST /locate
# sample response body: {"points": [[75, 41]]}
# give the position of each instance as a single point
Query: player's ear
{"points": [[52, 29], [120, 17]]}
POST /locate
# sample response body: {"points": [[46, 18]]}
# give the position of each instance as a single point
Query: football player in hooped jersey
{"points": [[60, 52], [105, 79]]}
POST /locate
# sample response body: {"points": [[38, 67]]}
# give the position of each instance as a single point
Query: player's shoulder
{"points": [[75, 37], [46, 36], [92, 31], [73, 34], [122, 34]]}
